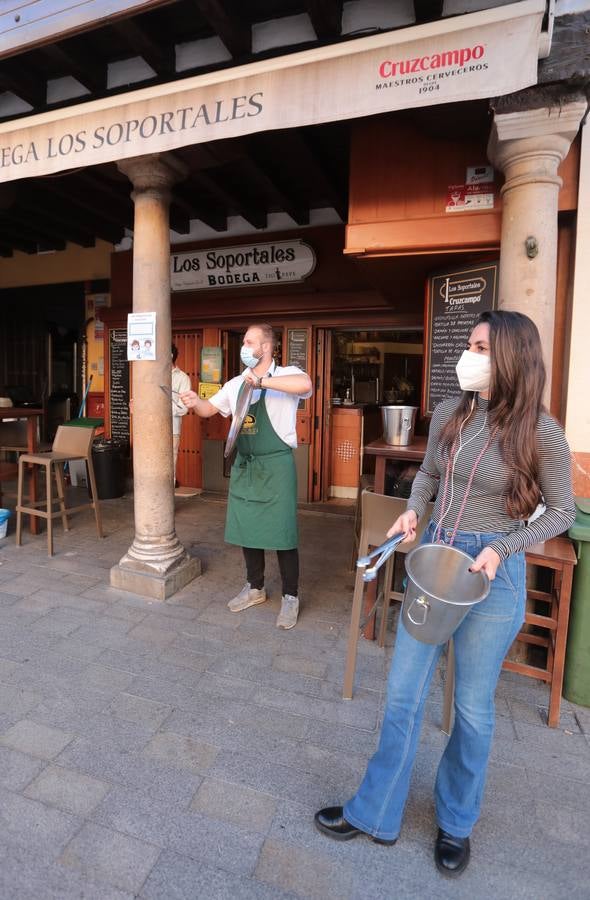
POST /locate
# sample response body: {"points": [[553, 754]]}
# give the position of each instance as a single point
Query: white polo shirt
{"points": [[281, 407]]}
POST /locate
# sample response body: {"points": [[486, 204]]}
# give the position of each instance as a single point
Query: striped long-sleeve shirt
{"points": [[485, 510]]}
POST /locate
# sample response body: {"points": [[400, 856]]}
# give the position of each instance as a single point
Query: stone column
{"points": [[156, 565], [528, 146]]}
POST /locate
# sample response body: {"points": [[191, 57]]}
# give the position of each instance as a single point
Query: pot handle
{"points": [[424, 605]]}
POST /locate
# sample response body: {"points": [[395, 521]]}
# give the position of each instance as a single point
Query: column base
{"points": [[154, 585]]}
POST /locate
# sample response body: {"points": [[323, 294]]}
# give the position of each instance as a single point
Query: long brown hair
{"points": [[515, 403]]}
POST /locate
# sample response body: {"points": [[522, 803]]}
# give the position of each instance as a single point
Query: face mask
{"points": [[248, 358], [473, 371]]}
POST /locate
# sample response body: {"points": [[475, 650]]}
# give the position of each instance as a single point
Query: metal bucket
{"points": [[398, 424], [440, 591]]}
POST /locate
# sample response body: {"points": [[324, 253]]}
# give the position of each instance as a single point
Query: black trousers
{"points": [[288, 565]]}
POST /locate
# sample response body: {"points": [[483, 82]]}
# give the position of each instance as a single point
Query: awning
{"points": [[485, 54]]}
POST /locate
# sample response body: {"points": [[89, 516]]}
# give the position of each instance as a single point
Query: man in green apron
{"points": [[262, 503]]}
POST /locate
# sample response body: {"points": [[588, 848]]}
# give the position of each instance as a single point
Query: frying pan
{"points": [[242, 406]]}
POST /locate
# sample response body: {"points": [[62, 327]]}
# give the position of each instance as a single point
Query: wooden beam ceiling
{"points": [[158, 54], [326, 17], [235, 34]]}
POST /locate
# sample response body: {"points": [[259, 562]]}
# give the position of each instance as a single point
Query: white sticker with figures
{"points": [[141, 336]]}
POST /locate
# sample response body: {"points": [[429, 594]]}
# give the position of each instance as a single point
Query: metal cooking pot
{"points": [[440, 591], [398, 424]]}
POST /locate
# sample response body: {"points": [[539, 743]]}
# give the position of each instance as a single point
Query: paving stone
{"points": [[24, 876], [344, 738], [118, 859], [266, 776], [196, 662], [181, 751], [139, 710], [299, 665], [7, 667], [552, 739], [220, 844], [236, 804], [61, 622], [133, 770], [307, 874], [219, 686], [68, 790], [152, 634], [176, 877], [38, 740], [17, 769], [105, 679], [74, 648], [7, 599], [33, 825], [339, 713]]}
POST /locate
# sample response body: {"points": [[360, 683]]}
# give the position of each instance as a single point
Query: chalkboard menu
{"points": [[297, 351], [119, 384], [455, 299]]}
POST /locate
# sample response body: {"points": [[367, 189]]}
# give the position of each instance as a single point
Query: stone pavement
{"points": [[177, 751]]}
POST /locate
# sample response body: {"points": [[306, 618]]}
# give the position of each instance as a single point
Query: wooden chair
{"points": [[559, 557], [378, 512], [69, 443]]}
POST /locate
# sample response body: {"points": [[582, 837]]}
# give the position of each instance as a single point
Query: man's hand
{"points": [[488, 562], [406, 524], [250, 378], [190, 399]]}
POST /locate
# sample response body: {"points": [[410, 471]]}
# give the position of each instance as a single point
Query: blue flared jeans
{"points": [[481, 643]]}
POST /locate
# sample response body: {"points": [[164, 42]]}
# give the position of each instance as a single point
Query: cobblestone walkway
{"points": [[178, 751]]}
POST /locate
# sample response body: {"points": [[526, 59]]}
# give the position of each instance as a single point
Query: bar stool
{"points": [[378, 512], [69, 444], [559, 557]]}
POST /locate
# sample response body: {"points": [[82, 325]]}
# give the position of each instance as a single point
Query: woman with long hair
{"points": [[492, 458]]}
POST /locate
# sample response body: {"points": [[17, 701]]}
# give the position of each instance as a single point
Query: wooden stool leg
{"points": [[389, 567], [59, 481], [353, 636], [449, 695], [49, 501], [19, 503], [566, 577], [95, 500]]}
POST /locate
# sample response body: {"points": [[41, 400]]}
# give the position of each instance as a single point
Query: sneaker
{"points": [[248, 596], [287, 617]]}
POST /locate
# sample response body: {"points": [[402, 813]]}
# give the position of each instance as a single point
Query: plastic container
{"points": [[4, 516], [576, 683], [109, 468]]}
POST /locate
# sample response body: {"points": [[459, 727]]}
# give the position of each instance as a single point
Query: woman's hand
{"points": [[488, 562], [405, 523]]}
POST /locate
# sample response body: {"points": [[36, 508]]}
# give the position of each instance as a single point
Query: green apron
{"points": [[262, 507]]}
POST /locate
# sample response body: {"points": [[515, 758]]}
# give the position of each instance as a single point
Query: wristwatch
{"points": [[259, 380]]}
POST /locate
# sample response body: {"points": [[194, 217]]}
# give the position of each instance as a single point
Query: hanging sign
{"points": [[455, 299], [243, 266], [141, 336], [480, 55]]}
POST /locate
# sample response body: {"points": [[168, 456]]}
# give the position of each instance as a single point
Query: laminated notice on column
{"points": [[141, 336], [455, 299], [119, 385]]}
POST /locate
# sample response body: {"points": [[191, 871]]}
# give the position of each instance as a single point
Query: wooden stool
{"points": [[70, 443], [559, 557]]}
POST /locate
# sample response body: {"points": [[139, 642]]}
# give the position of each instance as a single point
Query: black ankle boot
{"points": [[331, 821], [451, 854]]}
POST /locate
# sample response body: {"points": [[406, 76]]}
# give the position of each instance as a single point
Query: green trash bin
{"points": [[576, 683]]}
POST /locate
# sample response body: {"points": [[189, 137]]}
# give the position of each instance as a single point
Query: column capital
{"points": [[154, 173], [529, 145]]}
